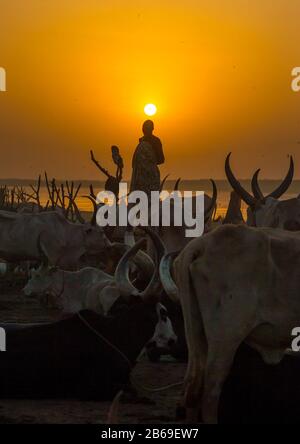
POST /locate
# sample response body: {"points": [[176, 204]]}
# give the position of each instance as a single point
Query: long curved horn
{"points": [[77, 212], [250, 200], [177, 184], [257, 193], [95, 209], [163, 182], [165, 276], [283, 187], [142, 260], [213, 202], [122, 271]]}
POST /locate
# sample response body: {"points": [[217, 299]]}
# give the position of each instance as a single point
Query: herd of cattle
{"points": [[225, 302]]}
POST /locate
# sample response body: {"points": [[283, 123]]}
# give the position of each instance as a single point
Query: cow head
{"points": [[164, 336], [44, 280], [268, 211]]}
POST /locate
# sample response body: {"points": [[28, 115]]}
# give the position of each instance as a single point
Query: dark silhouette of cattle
{"points": [[257, 393], [68, 359]]}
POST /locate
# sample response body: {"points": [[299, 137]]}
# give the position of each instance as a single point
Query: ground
{"points": [[150, 408]]}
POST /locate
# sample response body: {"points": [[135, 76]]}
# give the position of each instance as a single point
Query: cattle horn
{"points": [[281, 189], [255, 187], [213, 201], [177, 184], [237, 187], [162, 183], [95, 209], [165, 276], [122, 271]]}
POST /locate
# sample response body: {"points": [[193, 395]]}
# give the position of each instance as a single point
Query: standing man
{"points": [[147, 156]]}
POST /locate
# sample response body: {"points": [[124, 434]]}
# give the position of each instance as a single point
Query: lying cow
{"points": [[93, 289], [88, 355], [88, 288], [235, 284]]}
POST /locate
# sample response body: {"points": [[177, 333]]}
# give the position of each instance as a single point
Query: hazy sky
{"points": [[79, 73]]}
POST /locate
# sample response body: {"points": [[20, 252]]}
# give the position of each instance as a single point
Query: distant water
{"points": [[224, 190]]}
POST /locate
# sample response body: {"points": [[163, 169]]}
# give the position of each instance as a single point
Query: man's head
{"points": [[148, 127]]}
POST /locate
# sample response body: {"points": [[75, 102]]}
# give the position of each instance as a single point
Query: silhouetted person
{"points": [[148, 154]]}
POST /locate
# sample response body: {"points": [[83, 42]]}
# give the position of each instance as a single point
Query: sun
{"points": [[150, 109]]}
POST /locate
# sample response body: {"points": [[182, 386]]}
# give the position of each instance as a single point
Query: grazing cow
{"points": [[268, 211], [235, 284], [49, 235]]}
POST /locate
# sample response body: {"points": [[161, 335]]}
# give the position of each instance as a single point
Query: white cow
{"points": [[268, 211], [235, 284], [88, 288], [51, 236]]}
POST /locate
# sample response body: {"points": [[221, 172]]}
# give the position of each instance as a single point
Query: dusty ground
{"points": [[151, 408]]}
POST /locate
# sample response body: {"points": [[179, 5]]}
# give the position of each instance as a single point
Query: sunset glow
{"points": [[150, 109], [80, 73]]}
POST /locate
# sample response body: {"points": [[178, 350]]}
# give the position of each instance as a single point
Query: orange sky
{"points": [[79, 73]]}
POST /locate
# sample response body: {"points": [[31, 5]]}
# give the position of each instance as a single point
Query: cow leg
{"points": [[219, 362], [197, 347]]}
